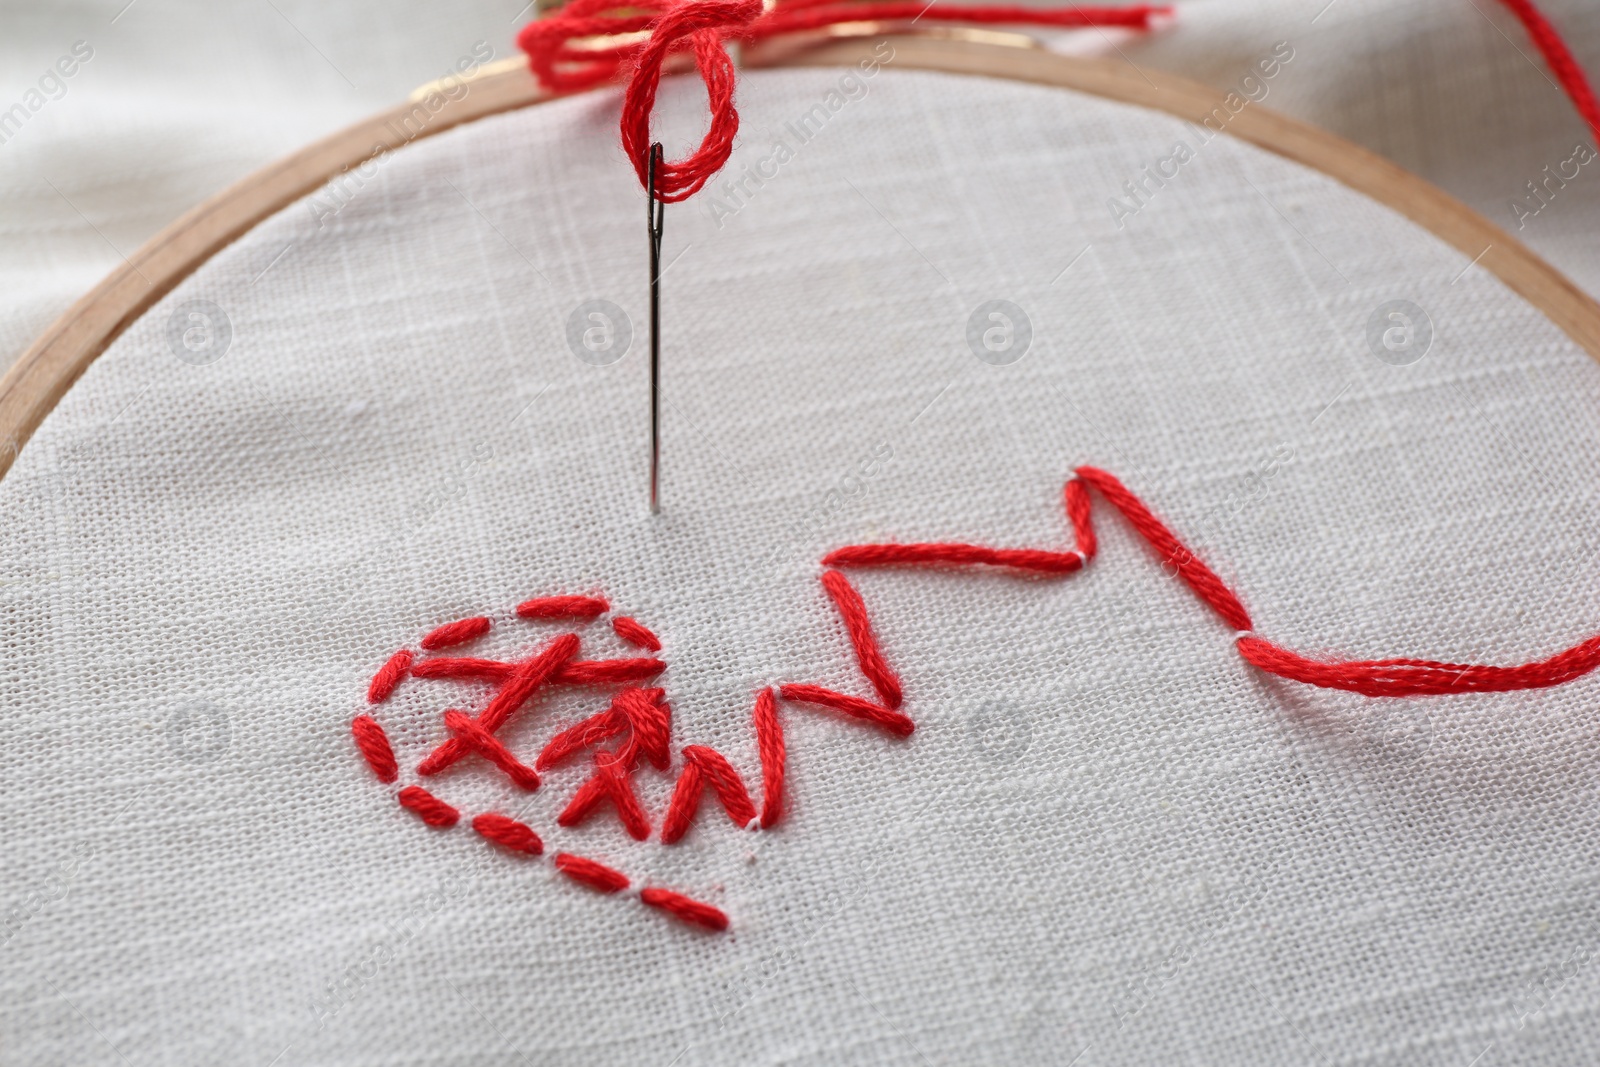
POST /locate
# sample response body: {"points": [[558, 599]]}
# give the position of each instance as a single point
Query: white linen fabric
{"points": [[1109, 838]]}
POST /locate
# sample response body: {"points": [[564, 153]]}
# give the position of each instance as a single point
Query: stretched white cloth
{"points": [[1108, 836]]}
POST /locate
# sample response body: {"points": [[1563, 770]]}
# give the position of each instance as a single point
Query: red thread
{"points": [[610, 781], [774, 756], [702, 767], [374, 746], [388, 676], [592, 874], [650, 719], [684, 909], [1420, 677], [603, 672], [1559, 56], [508, 833], [1173, 553], [700, 27], [456, 633], [922, 555], [595, 730], [870, 658], [724, 781], [1076, 497], [855, 707], [529, 675], [563, 607], [635, 633], [486, 745], [429, 808], [685, 802], [609, 671]]}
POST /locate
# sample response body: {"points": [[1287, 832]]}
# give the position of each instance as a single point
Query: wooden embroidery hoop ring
{"points": [[41, 377]]}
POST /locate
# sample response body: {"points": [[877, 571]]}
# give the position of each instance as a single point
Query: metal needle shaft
{"points": [[657, 217]]}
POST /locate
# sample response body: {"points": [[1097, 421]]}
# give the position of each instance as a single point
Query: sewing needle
{"points": [[657, 217]]}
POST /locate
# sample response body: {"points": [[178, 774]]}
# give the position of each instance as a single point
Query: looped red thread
{"points": [[589, 42], [590, 873], [508, 833], [388, 676], [635, 633], [868, 655], [488, 746], [684, 909], [429, 808], [374, 746]]}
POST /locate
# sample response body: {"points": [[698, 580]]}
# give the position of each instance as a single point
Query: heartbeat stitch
{"points": [[637, 722]]}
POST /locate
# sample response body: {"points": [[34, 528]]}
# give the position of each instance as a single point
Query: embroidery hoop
{"points": [[38, 380]]}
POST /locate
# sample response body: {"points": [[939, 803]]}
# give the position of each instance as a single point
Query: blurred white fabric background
{"points": [[180, 99]]}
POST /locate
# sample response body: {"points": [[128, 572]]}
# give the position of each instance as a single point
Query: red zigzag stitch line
{"points": [[643, 718]]}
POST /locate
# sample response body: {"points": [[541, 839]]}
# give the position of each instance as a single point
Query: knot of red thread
{"points": [[590, 42]]}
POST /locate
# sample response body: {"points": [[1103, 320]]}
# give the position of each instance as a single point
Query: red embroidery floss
{"points": [[388, 676], [456, 633], [429, 808], [855, 707], [868, 656], [587, 872], [637, 635], [508, 833], [373, 744], [563, 607], [683, 909]]}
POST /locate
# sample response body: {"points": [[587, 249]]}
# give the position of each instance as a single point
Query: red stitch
{"points": [[651, 721], [770, 744], [578, 672], [485, 670], [429, 808], [636, 634], [684, 909], [1200, 578], [609, 671], [508, 833], [685, 802], [724, 781], [592, 874], [854, 612], [486, 745], [456, 633], [705, 766], [563, 607], [1076, 497], [595, 730], [374, 746], [388, 676], [530, 674], [855, 707], [610, 781], [920, 555]]}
